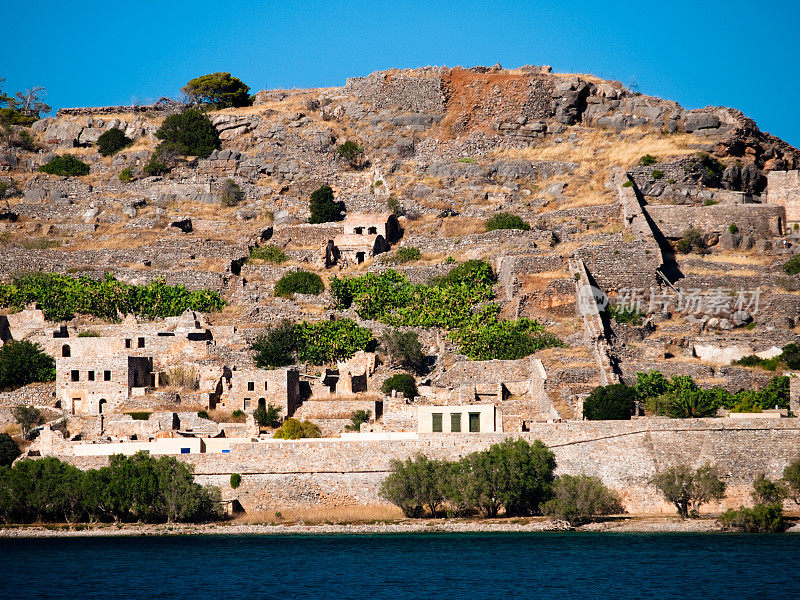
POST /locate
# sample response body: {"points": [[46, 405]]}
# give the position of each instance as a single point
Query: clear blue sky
{"points": [[735, 53]]}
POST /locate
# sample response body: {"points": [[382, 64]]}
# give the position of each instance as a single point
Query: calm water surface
{"points": [[432, 566]]}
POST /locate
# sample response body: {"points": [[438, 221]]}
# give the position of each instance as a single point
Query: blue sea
{"points": [[426, 566]]}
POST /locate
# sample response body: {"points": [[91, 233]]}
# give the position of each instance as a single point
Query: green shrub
{"points": [[688, 489], [493, 339], [768, 364], [656, 174], [62, 297], [9, 450], [762, 518], [747, 404], [791, 356], [405, 254], [138, 488], [472, 272], [628, 184], [692, 240], [506, 220], [624, 314], [401, 382], [581, 499], [733, 228], [139, 415], [191, 132], [710, 202], [236, 480], [299, 282], [269, 416], [647, 160], [66, 165], [238, 414], [357, 417], [792, 266], [766, 491], [292, 429], [27, 417], [324, 208], [270, 253], [352, 153], [203, 414], [404, 349], [154, 166], [126, 175], [218, 90], [326, 341], [610, 402], [230, 193], [791, 480], [23, 362], [277, 348], [112, 141], [394, 206]]}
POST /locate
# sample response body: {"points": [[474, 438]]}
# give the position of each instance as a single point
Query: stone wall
{"points": [[754, 220], [417, 91], [625, 454], [783, 189]]}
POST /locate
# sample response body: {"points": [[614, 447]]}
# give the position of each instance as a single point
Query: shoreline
{"points": [[405, 526]]}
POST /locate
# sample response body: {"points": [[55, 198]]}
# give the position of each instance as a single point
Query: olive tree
{"points": [[688, 489]]}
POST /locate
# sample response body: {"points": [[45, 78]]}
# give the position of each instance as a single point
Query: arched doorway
{"points": [[102, 406], [66, 352]]}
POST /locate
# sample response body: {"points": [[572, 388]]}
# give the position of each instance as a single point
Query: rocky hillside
{"points": [[450, 148]]}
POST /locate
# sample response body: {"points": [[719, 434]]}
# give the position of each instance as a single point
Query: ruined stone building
{"points": [[364, 236], [257, 388]]}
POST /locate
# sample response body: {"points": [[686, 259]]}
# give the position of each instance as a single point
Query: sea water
{"points": [[431, 566]]}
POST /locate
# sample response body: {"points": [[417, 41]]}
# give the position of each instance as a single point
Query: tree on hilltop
{"points": [[218, 90]]}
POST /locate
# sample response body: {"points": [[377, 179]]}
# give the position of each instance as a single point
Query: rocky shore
{"points": [[625, 525]]}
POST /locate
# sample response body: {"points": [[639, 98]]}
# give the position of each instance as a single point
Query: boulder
{"points": [[695, 121], [90, 214]]}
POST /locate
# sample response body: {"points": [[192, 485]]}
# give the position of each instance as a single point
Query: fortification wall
{"points": [[783, 189], [624, 454], [417, 91], [755, 220]]}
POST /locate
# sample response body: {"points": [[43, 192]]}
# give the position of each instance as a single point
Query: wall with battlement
{"points": [[783, 189], [625, 454]]}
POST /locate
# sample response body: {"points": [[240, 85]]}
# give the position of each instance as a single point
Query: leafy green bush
{"points": [[270, 253], [513, 476], [688, 489], [292, 429], [327, 341], [448, 302], [238, 414], [647, 160], [154, 166], [126, 175], [352, 153], [762, 518], [357, 417], [24, 362], [230, 193], [792, 266], [132, 488], [236, 480], [733, 228], [506, 220], [656, 174], [692, 240], [191, 132], [401, 382], [269, 416], [323, 207], [277, 348], [751, 360], [62, 297], [405, 254], [791, 480], [218, 90], [139, 415], [299, 282], [404, 349], [203, 414], [710, 202], [66, 165], [27, 417], [610, 402], [766, 491], [112, 141], [581, 499], [625, 314], [747, 404], [628, 184], [9, 450]]}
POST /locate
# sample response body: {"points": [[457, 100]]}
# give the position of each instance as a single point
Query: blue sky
{"points": [[734, 53]]}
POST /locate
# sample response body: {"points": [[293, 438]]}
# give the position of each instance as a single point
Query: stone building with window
{"points": [[252, 388], [364, 236]]}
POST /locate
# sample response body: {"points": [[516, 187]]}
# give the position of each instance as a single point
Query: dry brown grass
{"points": [[605, 148], [341, 514]]}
